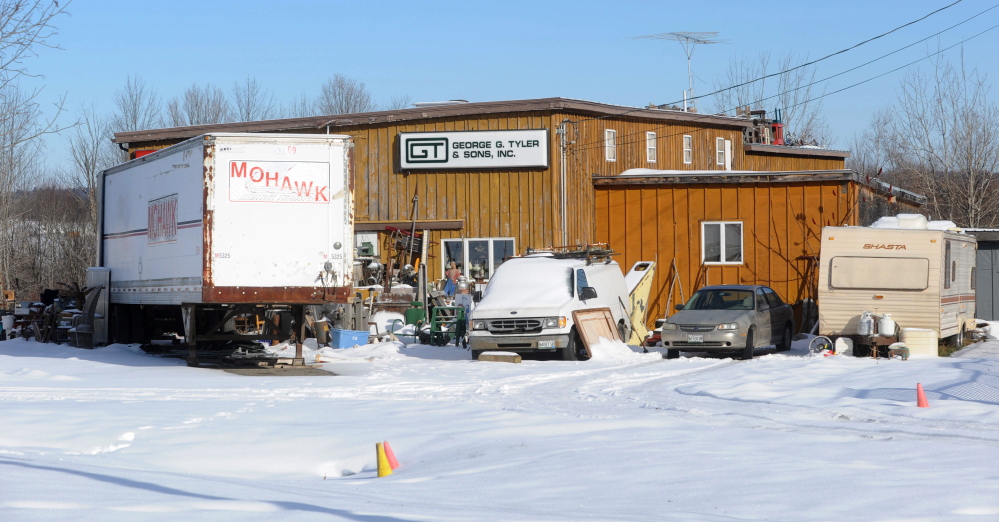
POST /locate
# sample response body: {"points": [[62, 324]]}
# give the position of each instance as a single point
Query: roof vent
{"points": [[438, 103]]}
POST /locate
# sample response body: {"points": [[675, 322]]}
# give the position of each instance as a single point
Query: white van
{"points": [[527, 306]]}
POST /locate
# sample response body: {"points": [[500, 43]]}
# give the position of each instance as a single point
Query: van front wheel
{"points": [[574, 350]]}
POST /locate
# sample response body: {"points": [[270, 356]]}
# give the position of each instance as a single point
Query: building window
{"points": [[610, 144], [721, 242], [477, 258], [650, 147], [688, 150], [720, 151]]}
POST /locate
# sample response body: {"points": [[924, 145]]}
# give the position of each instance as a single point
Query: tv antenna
{"points": [[688, 40]]}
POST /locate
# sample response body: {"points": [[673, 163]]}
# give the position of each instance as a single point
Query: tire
{"points": [[747, 352], [785, 342], [571, 350], [476, 354], [958, 339], [672, 354]]}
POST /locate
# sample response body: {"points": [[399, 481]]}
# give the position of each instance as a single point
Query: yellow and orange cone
{"points": [[384, 469]]}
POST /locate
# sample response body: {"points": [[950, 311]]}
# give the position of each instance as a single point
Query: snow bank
{"points": [[612, 350], [367, 352]]}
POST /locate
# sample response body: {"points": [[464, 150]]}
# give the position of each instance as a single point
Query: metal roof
{"points": [[581, 107]]}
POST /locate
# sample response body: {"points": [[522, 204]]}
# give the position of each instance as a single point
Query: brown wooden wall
{"points": [[781, 226], [522, 203], [588, 153]]}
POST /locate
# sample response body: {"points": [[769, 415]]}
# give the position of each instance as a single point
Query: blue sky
{"points": [[484, 51]]}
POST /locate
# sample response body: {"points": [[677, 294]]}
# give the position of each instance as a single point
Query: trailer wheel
{"points": [[958, 339]]}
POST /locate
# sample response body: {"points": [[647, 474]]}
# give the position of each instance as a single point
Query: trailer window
{"points": [[948, 272], [880, 273]]}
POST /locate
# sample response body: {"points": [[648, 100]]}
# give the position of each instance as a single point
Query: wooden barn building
{"points": [[487, 180]]}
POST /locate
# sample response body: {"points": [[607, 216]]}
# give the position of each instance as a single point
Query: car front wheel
{"points": [[747, 352]]}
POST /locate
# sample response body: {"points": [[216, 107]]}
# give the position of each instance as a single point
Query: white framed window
{"points": [[610, 144], [476, 257], [650, 147], [688, 150], [721, 242], [720, 151]]}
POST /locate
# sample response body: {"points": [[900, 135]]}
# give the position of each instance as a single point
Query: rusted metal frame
{"points": [[225, 318]]}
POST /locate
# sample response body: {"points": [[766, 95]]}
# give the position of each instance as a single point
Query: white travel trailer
{"points": [[923, 277]]}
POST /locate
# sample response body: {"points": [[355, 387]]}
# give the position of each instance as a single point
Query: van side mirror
{"points": [[678, 307], [587, 292]]}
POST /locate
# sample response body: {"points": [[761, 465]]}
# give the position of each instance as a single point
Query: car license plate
{"points": [[695, 338], [546, 344]]}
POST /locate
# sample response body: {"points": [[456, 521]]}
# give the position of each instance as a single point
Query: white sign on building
{"points": [[473, 149]]}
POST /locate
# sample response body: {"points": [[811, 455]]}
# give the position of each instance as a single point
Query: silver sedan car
{"points": [[729, 318]]}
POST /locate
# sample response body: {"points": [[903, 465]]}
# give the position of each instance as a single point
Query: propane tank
{"points": [[865, 327], [886, 326]]}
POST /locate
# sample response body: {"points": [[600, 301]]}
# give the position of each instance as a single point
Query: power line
{"points": [[599, 143], [813, 62], [796, 67]]}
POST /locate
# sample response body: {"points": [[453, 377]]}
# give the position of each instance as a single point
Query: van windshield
{"points": [[537, 282], [720, 300]]}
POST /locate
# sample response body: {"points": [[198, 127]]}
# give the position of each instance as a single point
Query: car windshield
{"points": [[720, 300]]}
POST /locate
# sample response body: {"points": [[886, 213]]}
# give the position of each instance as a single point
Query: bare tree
{"points": [[942, 137], [251, 102], [26, 26], [19, 157], [342, 95], [92, 151], [791, 91], [199, 106], [137, 106], [301, 106], [399, 102]]}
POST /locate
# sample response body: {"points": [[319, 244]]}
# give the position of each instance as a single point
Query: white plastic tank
{"points": [[921, 341], [843, 346], [865, 327], [886, 326]]}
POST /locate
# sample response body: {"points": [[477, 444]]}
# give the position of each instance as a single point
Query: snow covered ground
{"points": [[114, 434]]}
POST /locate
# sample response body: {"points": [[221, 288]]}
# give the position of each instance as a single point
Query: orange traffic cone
{"points": [[921, 397], [390, 455], [384, 469]]}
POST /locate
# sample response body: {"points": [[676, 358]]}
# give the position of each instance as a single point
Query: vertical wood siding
{"points": [[526, 203], [781, 226]]}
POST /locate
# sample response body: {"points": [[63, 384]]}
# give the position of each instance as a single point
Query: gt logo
{"points": [[426, 150]]}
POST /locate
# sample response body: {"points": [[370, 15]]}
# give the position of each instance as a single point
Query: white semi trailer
{"points": [[223, 226]]}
